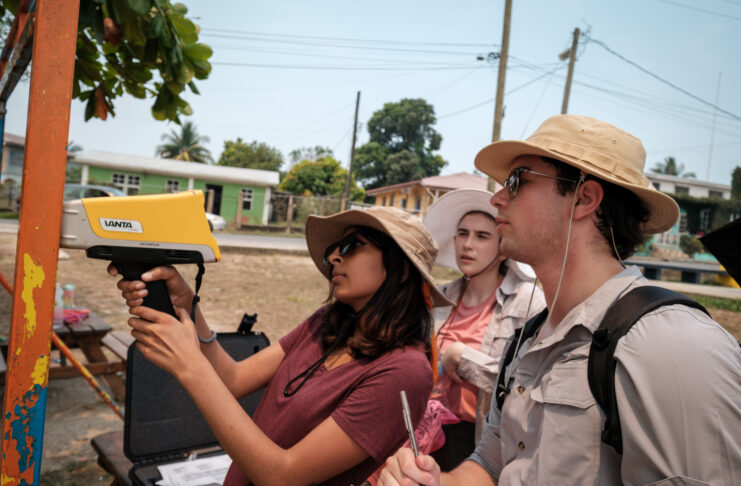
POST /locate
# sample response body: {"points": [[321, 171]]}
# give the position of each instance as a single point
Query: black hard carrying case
{"points": [[161, 423]]}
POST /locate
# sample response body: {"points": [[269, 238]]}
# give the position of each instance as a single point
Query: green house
{"points": [[229, 191]]}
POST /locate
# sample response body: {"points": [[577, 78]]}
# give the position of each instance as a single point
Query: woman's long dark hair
{"points": [[396, 315]]}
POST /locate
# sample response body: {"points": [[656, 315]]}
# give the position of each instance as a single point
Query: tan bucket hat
{"points": [[405, 229], [597, 148]]}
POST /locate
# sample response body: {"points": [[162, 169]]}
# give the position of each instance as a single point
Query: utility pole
{"points": [[569, 77], [499, 104], [346, 193]]}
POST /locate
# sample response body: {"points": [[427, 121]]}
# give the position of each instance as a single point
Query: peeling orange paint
{"points": [[33, 278]]}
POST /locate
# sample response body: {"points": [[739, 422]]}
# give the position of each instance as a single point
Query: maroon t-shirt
{"points": [[362, 396]]}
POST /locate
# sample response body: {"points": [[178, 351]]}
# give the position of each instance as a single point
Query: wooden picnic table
{"points": [[91, 336]]}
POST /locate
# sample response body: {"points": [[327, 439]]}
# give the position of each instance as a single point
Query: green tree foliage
{"points": [[252, 156], [690, 245], [309, 153], [736, 183], [401, 146], [669, 167], [122, 43], [186, 145], [324, 177]]}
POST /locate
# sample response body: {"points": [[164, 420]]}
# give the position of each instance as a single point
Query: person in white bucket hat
{"points": [[574, 205], [492, 299]]}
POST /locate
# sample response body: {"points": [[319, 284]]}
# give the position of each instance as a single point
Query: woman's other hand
{"points": [[167, 342], [451, 359]]}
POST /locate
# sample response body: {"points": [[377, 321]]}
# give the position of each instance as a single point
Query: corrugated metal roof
{"points": [[150, 165], [460, 180]]}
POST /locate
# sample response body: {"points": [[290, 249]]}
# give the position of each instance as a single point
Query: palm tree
{"points": [[73, 148], [185, 145], [669, 167]]}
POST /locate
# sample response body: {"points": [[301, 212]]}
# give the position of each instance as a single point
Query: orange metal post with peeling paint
{"points": [[24, 406]]}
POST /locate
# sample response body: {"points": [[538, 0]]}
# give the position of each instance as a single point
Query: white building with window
{"points": [[684, 185]]}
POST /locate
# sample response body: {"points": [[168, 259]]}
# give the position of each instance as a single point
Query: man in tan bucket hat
{"points": [[574, 205]]}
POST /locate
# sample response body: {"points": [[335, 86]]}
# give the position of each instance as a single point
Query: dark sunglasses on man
{"points": [[512, 183]]}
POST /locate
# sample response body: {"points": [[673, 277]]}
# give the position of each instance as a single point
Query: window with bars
{"points": [[718, 194], [247, 195], [681, 190], [683, 223], [128, 183], [172, 186], [704, 219]]}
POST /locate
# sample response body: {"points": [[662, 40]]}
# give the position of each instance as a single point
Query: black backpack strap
{"points": [[618, 320], [527, 331]]}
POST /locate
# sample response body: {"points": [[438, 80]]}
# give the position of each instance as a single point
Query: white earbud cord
{"points": [[515, 359]]}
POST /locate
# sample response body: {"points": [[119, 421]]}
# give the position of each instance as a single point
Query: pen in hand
{"points": [[408, 422]]}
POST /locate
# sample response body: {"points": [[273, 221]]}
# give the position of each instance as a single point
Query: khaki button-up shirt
{"points": [[678, 387]]}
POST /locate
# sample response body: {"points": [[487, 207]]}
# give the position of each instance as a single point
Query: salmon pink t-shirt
{"points": [[466, 325], [362, 396]]}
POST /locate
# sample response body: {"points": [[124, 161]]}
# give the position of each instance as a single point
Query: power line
{"points": [[300, 53], [490, 100], [669, 83], [710, 12], [343, 46], [348, 39], [343, 68]]}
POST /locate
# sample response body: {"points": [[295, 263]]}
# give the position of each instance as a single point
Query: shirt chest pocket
{"points": [[569, 411], [566, 384]]}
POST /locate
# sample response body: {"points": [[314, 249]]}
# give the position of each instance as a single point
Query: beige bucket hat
{"points": [[405, 229], [597, 148], [442, 221]]}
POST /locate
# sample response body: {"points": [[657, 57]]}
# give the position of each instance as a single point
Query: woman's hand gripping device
{"points": [[138, 233]]}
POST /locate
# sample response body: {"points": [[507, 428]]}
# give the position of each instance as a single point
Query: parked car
{"points": [[79, 191], [215, 222]]}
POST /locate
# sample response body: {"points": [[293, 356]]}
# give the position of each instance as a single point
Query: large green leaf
{"points": [[134, 33], [140, 6], [90, 108], [186, 72], [98, 25], [198, 51], [185, 29], [87, 12], [155, 26], [180, 8]]}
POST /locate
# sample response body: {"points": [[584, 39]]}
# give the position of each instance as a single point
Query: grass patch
{"points": [[733, 305], [8, 215]]}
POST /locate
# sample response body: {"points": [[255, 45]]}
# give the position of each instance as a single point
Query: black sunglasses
{"points": [[346, 245], [512, 183]]}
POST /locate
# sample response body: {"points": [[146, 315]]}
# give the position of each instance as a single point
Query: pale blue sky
{"points": [[428, 49]]}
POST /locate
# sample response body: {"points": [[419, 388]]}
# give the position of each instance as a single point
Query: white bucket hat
{"points": [[593, 146], [442, 221]]}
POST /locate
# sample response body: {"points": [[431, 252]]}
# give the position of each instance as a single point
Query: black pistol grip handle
{"points": [[157, 296]]}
